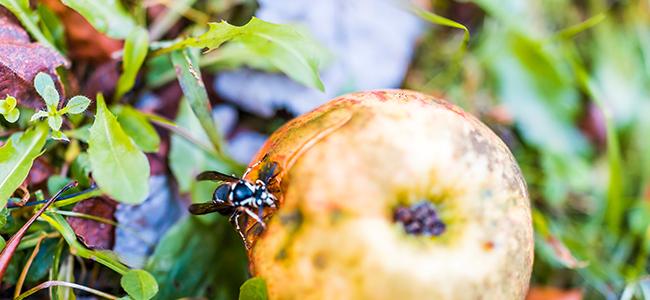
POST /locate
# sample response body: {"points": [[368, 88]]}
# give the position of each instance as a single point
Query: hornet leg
{"points": [[254, 216]]}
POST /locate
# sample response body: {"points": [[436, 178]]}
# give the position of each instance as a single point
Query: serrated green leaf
{"points": [[135, 51], [253, 289], [55, 121], [286, 47], [137, 126], [76, 105], [107, 16], [118, 166], [41, 82], [37, 115], [16, 158], [139, 284]]}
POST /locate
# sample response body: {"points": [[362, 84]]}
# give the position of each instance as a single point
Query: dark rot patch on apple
{"points": [[420, 219]]}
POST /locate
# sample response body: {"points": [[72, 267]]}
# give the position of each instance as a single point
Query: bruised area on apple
{"points": [[347, 167]]}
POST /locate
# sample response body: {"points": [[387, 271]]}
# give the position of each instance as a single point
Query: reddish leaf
{"points": [[552, 293], [40, 171], [103, 79], [21, 60], [95, 234], [10, 28], [84, 41]]}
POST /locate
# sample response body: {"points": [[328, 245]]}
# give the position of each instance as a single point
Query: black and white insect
{"points": [[237, 196]]}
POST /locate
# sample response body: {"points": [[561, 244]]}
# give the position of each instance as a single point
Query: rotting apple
{"points": [[354, 176]]}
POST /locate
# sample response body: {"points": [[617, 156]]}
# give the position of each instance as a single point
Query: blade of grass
{"points": [[571, 31], [53, 283], [440, 20], [23, 273], [103, 257], [615, 202]]}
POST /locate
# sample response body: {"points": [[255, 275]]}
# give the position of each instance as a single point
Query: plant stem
{"points": [[23, 274], [63, 201], [52, 283], [8, 252], [182, 132]]}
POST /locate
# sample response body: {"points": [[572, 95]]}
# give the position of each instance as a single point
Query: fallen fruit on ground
{"points": [[392, 194]]}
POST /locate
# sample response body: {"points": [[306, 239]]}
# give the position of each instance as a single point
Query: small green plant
{"points": [[9, 110], [45, 87]]}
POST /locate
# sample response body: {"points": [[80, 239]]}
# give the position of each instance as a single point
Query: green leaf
{"points": [[185, 263], [4, 212], [253, 289], [137, 126], [107, 16], [13, 115], [135, 51], [8, 104], [139, 284], [16, 158], [118, 166], [286, 47], [76, 105], [81, 169], [51, 97], [186, 160], [104, 257], [55, 121], [41, 82], [60, 136], [51, 26], [194, 90], [43, 260], [37, 115]]}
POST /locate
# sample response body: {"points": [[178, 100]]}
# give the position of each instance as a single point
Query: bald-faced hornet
{"points": [[236, 196]]}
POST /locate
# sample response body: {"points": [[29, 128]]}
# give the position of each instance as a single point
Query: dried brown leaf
{"points": [[95, 234]]}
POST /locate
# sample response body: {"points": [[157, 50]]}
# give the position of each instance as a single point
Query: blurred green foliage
{"points": [[565, 84]]}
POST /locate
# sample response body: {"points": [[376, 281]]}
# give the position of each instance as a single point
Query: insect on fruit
{"points": [[237, 196]]}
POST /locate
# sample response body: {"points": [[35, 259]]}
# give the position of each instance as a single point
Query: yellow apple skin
{"points": [[344, 169]]}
